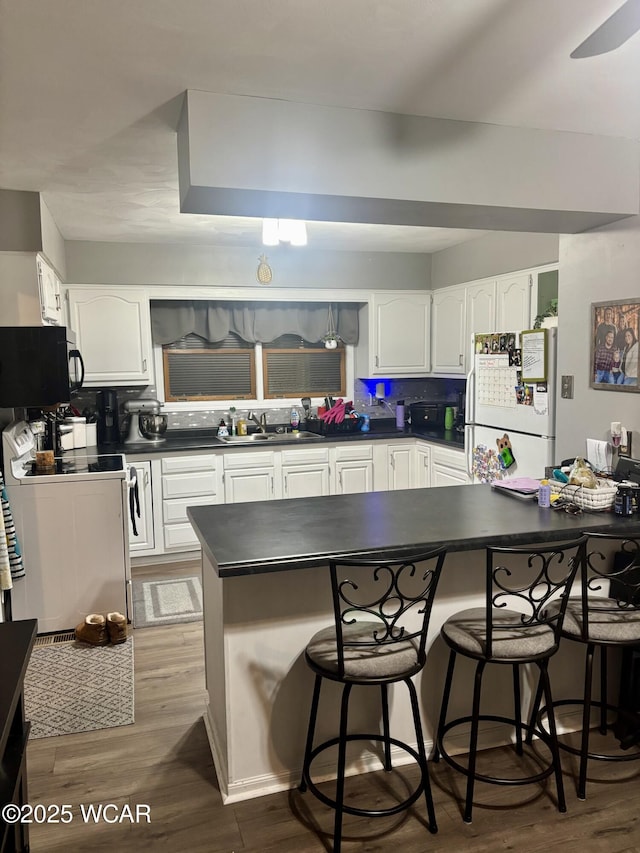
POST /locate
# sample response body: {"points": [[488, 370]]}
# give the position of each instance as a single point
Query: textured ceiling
{"points": [[90, 92]]}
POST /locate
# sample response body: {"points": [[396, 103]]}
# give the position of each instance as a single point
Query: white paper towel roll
{"points": [[599, 454]]}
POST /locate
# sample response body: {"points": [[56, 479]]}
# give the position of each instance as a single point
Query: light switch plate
{"points": [[566, 387]]}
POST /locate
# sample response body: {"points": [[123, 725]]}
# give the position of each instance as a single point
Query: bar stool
{"points": [[605, 615], [381, 618], [516, 627]]}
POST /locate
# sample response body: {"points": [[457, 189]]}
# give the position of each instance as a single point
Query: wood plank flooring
{"points": [[163, 760]]}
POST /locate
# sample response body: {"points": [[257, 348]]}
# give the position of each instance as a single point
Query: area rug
{"points": [[73, 687], [166, 601]]}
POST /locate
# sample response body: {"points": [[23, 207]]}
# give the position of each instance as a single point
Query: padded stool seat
{"points": [[381, 619], [467, 630]]}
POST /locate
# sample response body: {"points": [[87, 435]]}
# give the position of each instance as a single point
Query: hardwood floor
{"points": [[163, 761]]}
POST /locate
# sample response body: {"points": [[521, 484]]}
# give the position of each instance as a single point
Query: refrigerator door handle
{"points": [[468, 448], [469, 408]]}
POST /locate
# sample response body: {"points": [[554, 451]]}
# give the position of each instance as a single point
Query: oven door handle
{"points": [[134, 498]]}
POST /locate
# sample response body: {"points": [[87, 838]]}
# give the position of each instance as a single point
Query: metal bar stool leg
{"points": [[385, 727], [342, 760], [603, 690], [433, 826], [302, 787], [553, 734], [445, 703], [517, 708], [473, 740], [586, 720], [535, 710]]}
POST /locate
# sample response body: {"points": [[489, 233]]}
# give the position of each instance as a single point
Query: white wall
{"points": [[595, 266], [493, 254], [140, 264], [19, 293]]}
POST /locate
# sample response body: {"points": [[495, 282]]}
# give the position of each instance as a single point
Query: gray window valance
{"points": [[254, 322]]}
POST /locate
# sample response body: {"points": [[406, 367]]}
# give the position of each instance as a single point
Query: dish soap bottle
{"points": [[295, 420], [222, 429]]}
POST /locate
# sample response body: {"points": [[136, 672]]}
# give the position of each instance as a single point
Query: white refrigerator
{"points": [[510, 411]]}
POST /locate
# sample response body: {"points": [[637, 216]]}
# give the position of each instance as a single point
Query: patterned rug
{"points": [[73, 687], [166, 601]]}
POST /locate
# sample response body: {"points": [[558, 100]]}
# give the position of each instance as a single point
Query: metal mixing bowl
{"points": [[153, 426]]}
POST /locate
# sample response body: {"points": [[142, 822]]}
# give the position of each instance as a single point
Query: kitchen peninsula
{"points": [[266, 591]]}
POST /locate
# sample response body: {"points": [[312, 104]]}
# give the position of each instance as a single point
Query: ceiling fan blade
{"points": [[614, 32]]}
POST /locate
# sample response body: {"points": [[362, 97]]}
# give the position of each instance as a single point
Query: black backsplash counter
{"points": [[382, 429]]}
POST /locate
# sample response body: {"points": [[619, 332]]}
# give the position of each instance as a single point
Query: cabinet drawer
{"points": [[450, 458], [174, 511], [188, 485], [234, 460], [305, 456], [184, 464], [355, 452], [180, 536]]}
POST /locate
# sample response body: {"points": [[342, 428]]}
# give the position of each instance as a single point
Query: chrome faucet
{"points": [[260, 423]]}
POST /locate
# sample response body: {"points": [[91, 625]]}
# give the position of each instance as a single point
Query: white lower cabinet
{"points": [[251, 477], [141, 527], [423, 465], [305, 472], [353, 467], [168, 485], [187, 480], [448, 467], [401, 465]]}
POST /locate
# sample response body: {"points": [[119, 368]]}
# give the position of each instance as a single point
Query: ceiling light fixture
{"points": [[275, 231]]}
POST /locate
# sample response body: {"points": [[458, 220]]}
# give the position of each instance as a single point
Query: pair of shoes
{"points": [[98, 630]]}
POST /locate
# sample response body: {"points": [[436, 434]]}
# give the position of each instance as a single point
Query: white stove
{"points": [[72, 527], [19, 449]]}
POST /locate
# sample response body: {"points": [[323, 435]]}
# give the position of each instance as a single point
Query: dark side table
{"points": [[16, 642]]}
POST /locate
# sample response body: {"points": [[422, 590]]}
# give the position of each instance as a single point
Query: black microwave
{"points": [[39, 366]]}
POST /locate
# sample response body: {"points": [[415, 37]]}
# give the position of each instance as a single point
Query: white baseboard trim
{"points": [[491, 735]]}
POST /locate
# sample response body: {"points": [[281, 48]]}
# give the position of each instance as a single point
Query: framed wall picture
{"points": [[614, 345]]}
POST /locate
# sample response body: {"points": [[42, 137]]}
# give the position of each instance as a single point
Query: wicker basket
{"points": [[591, 500]]}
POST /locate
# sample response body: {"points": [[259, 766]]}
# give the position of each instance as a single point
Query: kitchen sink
{"points": [[262, 437]]}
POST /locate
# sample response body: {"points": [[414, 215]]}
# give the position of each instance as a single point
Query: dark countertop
{"points": [[269, 536], [204, 439]]}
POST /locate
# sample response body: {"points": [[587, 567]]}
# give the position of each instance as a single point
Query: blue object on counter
{"points": [[365, 426], [559, 476]]}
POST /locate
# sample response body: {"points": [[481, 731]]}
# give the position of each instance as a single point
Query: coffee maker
{"points": [[107, 404]]}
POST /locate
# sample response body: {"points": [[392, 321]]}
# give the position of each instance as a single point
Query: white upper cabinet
{"points": [[394, 335], [481, 309], [113, 333], [448, 323], [514, 298], [505, 304], [49, 288]]}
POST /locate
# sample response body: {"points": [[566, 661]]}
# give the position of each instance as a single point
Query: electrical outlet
{"points": [[566, 387]]}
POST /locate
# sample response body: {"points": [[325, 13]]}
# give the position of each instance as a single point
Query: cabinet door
{"points": [[143, 539], [354, 477], [481, 310], [448, 330], [113, 334], [400, 334], [444, 475], [305, 481], [251, 484], [423, 466], [49, 287], [401, 464], [513, 302]]}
